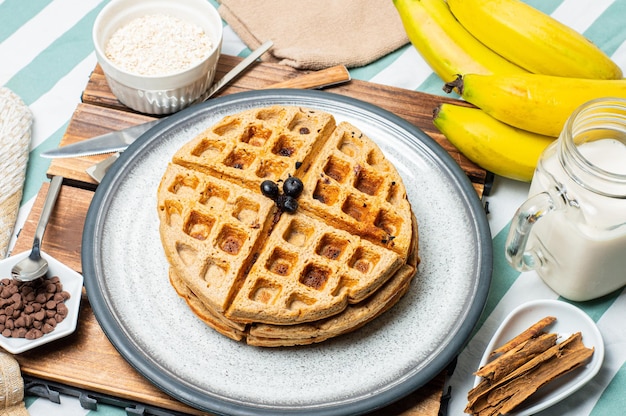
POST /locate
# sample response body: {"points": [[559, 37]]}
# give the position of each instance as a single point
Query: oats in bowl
{"points": [[158, 56], [158, 44]]}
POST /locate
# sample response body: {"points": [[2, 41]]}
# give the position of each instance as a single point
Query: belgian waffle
{"points": [[251, 270], [352, 317]]}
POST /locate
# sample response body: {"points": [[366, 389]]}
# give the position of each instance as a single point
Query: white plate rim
{"points": [[180, 389]]}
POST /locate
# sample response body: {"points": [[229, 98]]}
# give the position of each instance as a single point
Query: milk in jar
{"points": [[572, 229]]}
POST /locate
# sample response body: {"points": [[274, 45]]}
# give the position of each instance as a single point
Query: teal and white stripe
{"points": [[47, 55]]}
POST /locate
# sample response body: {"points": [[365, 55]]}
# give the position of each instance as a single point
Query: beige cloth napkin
{"points": [[316, 34], [15, 129], [11, 387]]}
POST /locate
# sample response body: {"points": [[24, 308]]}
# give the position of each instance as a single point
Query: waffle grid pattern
{"points": [[247, 262]]}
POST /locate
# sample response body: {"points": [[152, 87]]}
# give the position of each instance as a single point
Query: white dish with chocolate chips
{"points": [[35, 313]]}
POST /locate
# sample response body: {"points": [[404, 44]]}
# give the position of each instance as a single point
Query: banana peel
{"points": [[538, 103], [446, 46], [533, 40], [495, 146]]}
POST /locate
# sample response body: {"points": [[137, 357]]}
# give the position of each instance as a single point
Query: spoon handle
{"points": [[48, 206]]}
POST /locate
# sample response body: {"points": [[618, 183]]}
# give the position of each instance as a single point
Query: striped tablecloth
{"points": [[47, 55]]}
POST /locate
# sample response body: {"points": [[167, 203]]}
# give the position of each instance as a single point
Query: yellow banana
{"points": [[444, 44], [491, 144], [532, 39], [538, 103]]}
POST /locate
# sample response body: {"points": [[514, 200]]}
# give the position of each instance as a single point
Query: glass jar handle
{"points": [[531, 211]]}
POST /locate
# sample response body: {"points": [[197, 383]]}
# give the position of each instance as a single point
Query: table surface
{"points": [[47, 56]]}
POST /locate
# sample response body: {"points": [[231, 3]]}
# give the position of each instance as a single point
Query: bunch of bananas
{"points": [[523, 70]]}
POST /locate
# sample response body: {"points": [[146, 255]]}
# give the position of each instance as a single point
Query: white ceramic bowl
{"points": [[72, 283], [158, 94]]}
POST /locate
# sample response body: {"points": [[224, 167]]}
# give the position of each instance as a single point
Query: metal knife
{"points": [[119, 140]]}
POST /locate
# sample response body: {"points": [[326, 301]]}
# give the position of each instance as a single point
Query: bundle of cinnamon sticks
{"points": [[523, 365]]}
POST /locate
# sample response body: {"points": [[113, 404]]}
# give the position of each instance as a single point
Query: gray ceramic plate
{"points": [[153, 329]]}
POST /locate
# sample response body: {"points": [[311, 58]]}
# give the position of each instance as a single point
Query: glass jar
{"points": [[572, 228]]}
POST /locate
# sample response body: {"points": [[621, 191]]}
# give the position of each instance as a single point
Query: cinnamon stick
{"points": [[531, 332], [526, 363], [517, 356], [504, 396]]}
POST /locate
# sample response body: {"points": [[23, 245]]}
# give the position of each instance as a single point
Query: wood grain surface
{"points": [[87, 359]]}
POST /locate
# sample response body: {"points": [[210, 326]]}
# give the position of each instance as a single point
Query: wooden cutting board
{"points": [[87, 359]]}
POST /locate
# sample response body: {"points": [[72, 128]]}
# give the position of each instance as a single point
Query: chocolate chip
{"points": [[31, 309]]}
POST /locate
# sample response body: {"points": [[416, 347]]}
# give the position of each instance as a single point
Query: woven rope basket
{"points": [[15, 130], [11, 387]]}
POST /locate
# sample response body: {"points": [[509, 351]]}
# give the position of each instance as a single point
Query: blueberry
{"points": [[293, 186], [269, 189], [288, 204]]}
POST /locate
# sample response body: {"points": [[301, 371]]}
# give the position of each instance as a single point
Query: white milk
{"points": [[582, 249]]}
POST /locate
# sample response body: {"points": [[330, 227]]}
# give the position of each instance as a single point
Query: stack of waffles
{"points": [[254, 272]]}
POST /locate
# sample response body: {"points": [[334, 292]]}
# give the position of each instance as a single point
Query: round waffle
{"points": [[253, 271]]}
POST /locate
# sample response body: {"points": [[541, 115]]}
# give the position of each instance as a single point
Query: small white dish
{"points": [[158, 94], [569, 320], [72, 283]]}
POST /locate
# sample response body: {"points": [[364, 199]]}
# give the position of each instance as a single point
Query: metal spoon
{"points": [[34, 266]]}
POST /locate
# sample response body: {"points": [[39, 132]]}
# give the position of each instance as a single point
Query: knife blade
{"points": [[117, 141], [113, 142]]}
